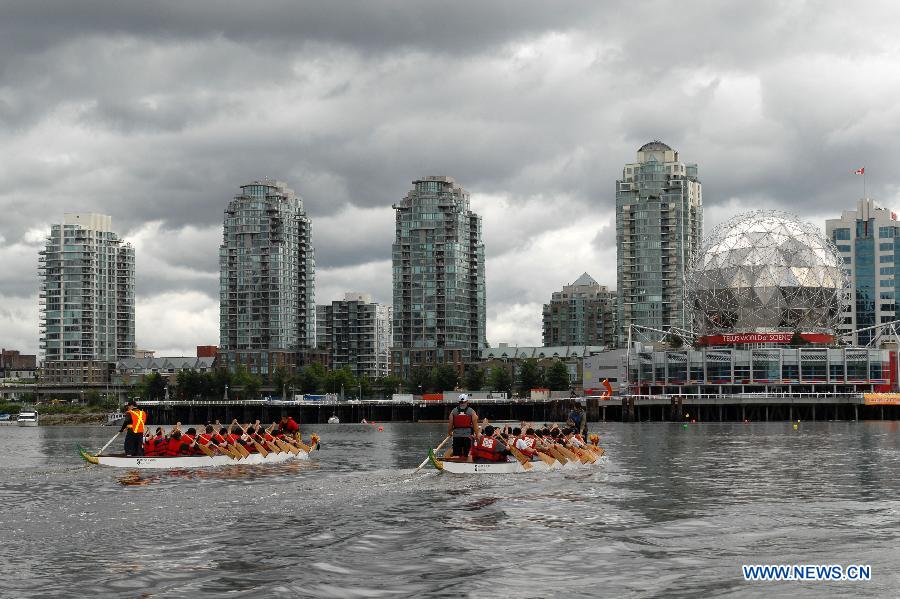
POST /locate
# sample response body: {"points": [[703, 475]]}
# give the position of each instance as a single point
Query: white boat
{"points": [[27, 418], [512, 467], [114, 419], [193, 461], [334, 419]]}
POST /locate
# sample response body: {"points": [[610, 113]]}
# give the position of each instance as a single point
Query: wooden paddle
{"points": [[287, 446], [526, 463], [262, 450], [108, 442], [560, 457], [544, 457]]}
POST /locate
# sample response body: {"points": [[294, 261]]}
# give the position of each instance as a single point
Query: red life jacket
{"points": [[268, 437], [290, 426], [487, 449], [233, 439], [187, 447], [462, 420], [218, 438], [203, 439], [173, 447], [157, 445]]}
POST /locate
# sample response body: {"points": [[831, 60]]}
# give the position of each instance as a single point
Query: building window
{"points": [[886, 247], [886, 231], [843, 248], [841, 234], [886, 259]]}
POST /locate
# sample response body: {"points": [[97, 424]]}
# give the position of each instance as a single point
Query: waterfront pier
{"points": [[628, 408]]}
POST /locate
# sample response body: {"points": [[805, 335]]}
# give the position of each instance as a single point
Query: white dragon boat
{"points": [[191, 461], [511, 467]]}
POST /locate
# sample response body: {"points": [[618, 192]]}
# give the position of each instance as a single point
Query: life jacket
{"points": [[247, 442], [233, 439], [290, 426], [157, 444], [187, 447], [462, 422], [487, 448], [150, 447], [203, 439], [268, 437], [218, 439], [138, 419], [173, 447]]}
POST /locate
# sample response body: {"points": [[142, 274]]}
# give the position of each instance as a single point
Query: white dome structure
{"points": [[766, 271]]}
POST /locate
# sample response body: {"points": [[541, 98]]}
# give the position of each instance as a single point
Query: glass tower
{"points": [[868, 240], [86, 295], [356, 333], [659, 227], [583, 313], [267, 280], [438, 274]]}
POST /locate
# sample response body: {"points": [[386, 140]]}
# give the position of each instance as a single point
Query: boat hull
{"points": [[199, 461], [501, 467], [27, 423]]}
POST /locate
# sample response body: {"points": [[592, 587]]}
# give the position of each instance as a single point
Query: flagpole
{"points": [[864, 184]]}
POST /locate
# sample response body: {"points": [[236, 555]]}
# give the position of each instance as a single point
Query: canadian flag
{"points": [[860, 171]]}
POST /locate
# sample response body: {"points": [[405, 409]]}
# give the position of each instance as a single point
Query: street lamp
{"points": [[226, 391]]}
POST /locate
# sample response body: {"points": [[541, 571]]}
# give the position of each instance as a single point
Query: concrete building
{"points": [[267, 280], [134, 370], [17, 366], [512, 357], [86, 298], [356, 333], [583, 313], [868, 240], [659, 226], [438, 277]]}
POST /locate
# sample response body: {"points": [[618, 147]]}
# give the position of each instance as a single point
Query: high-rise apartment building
{"points": [[868, 240], [439, 283], [267, 280], [583, 313], [86, 299], [659, 227], [356, 333]]}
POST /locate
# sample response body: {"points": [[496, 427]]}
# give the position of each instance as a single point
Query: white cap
{"points": [[463, 397]]}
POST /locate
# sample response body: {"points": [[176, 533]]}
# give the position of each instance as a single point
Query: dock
{"points": [[626, 408]]}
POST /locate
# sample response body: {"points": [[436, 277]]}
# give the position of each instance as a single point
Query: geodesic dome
{"points": [[766, 270]]}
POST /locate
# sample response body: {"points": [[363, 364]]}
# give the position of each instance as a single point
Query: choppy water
{"points": [[673, 513]]}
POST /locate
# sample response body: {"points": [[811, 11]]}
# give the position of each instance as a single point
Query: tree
{"points": [[340, 379], [390, 384], [474, 378], [312, 379], [444, 377], [364, 384], [500, 379], [153, 387], [557, 377], [420, 379], [280, 379], [530, 376]]}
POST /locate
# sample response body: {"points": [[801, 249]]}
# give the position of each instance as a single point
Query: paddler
{"points": [[488, 448], [288, 426], [135, 420], [578, 419], [462, 426]]}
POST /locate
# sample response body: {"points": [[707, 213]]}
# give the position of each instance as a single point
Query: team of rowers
{"points": [[524, 443], [236, 440]]}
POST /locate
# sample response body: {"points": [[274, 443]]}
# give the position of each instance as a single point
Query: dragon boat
{"points": [[193, 461], [463, 466]]}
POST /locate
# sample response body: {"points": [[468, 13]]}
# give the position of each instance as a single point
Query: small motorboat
{"points": [[27, 417], [334, 419]]}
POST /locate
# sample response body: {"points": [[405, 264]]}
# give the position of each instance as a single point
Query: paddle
{"points": [[526, 463], [108, 442], [425, 461]]}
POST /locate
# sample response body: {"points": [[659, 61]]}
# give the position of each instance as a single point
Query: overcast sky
{"points": [[155, 113]]}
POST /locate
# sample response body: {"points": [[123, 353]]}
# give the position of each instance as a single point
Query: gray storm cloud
{"points": [[155, 113]]}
